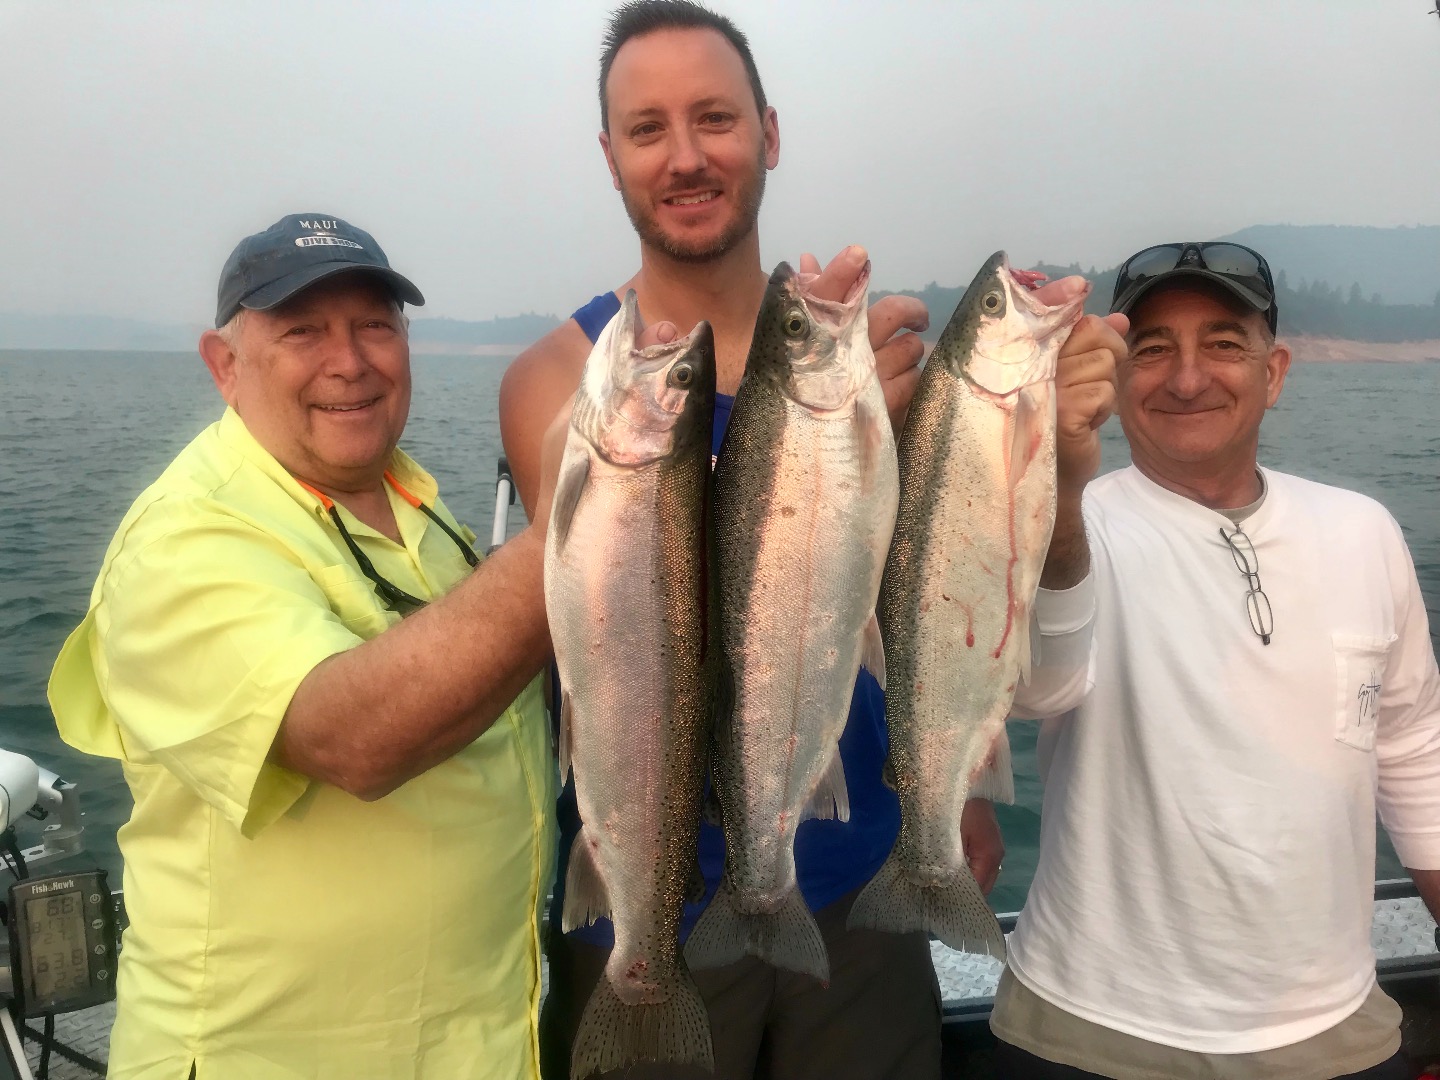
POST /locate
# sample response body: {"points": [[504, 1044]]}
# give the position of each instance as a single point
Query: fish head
{"points": [[639, 405], [1003, 336], [817, 350]]}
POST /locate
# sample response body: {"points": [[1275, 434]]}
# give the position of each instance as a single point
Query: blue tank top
{"points": [[832, 858]]}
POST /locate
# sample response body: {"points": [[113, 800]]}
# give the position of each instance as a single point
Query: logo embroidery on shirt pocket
{"points": [[1369, 698], [1360, 673]]}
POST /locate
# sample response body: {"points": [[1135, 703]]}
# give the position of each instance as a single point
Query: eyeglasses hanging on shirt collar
{"points": [[1257, 604], [394, 597]]}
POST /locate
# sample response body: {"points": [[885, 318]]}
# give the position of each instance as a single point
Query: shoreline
{"points": [[1307, 349], [1321, 350], [449, 348]]}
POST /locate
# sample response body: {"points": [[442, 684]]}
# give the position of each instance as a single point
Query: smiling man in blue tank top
{"points": [[688, 137]]}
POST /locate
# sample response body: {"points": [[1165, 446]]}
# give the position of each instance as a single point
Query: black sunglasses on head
{"points": [[1242, 270]]}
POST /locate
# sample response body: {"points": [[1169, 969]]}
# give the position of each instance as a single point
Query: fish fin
{"points": [[586, 898], [695, 885], [788, 938], [872, 652], [887, 775], [872, 439], [831, 798], [996, 779], [954, 911], [1033, 412], [613, 1035], [710, 812], [567, 496], [724, 701], [710, 807], [566, 734], [1025, 634], [1032, 654]]}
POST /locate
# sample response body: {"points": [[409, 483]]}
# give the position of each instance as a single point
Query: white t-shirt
{"points": [[1207, 845]]}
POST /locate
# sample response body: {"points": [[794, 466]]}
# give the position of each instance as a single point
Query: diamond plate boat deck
{"points": [[1402, 934]]}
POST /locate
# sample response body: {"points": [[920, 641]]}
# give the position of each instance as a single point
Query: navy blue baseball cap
{"points": [[268, 268]]}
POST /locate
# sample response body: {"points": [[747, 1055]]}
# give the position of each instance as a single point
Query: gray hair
{"points": [[230, 332]]}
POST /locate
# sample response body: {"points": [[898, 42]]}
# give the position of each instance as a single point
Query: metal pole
{"points": [[13, 1062], [504, 499]]}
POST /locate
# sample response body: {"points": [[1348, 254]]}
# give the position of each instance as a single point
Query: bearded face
{"points": [[714, 239], [687, 143]]}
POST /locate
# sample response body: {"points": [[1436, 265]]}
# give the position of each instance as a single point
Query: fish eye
{"points": [[796, 325], [992, 301], [681, 376]]}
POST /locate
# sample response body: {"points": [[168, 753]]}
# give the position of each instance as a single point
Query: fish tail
{"points": [[613, 1035], [788, 938], [954, 911]]}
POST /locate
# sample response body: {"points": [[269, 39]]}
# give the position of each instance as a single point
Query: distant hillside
{"points": [[1314, 307], [1337, 281], [1401, 265], [133, 335], [510, 330], [94, 332]]}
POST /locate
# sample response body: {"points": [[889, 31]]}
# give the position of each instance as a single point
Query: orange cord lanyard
{"points": [[395, 598]]}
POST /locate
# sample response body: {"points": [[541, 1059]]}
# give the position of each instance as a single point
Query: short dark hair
{"points": [[641, 17]]}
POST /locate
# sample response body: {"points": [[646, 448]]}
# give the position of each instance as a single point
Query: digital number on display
{"points": [[56, 925]]}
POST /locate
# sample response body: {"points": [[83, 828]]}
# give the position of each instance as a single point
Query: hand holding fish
{"points": [[662, 333], [1085, 398], [984, 846], [897, 355]]}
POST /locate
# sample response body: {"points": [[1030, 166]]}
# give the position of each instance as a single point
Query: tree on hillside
{"points": [[1314, 307]]}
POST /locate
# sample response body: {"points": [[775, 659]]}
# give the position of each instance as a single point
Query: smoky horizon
{"points": [[143, 140]]}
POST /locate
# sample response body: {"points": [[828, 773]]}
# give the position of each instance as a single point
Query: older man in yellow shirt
{"points": [[342, 829]]}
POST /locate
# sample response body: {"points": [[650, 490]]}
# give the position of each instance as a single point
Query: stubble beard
{"points": [[748, 196]]}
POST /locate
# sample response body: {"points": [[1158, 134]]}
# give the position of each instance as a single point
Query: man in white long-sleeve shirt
{"points": [[1262, 681]]}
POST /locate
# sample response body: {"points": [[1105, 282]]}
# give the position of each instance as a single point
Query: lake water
{"points": [[82, 433]]}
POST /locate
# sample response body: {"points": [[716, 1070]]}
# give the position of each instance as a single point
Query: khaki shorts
{"points": [[1023, 1018]]}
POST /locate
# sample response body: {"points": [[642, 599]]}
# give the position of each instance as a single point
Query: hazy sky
{"points": [[140, 140]]}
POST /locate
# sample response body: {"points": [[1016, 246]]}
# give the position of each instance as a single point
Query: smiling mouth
{"points": [[692, 200], [1187, 412], [347, 408]]}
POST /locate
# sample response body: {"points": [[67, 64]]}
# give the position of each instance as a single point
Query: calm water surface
{"points": [[81, 434]]}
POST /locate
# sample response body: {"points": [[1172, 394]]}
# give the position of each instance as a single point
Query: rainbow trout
{"points": [[977, 504], [805, 493], [627, 565]]}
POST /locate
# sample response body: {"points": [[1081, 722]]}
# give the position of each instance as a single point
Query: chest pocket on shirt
{"points": [[352, 598], [1359, 674]]}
